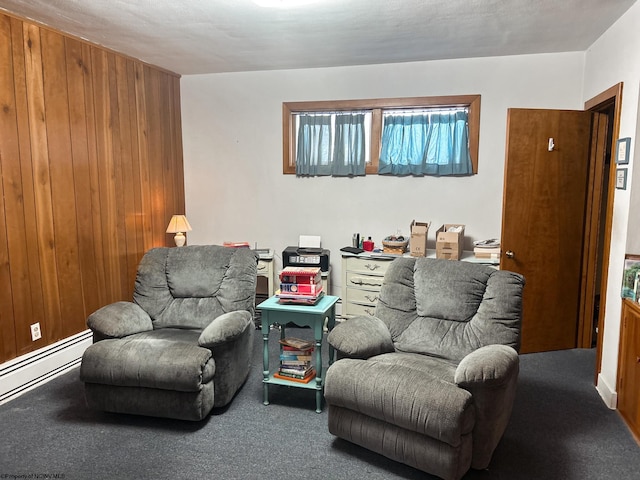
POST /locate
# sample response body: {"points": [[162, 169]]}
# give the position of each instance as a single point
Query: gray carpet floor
{"points": [[560, 429]]}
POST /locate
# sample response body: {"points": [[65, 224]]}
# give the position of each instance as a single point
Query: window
{"points": [[386, 136]]}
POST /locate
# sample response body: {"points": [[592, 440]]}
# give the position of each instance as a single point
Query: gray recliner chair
{"points": [[184, 345], [430, 380]]}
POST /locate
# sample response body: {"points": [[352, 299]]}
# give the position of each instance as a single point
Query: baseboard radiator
{"points": [[28, 371]]}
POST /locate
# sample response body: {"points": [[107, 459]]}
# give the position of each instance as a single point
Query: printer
{"points": [[306, 257], [308, 253]]}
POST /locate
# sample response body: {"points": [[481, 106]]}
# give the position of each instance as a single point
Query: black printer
{"points": [[306, 257]]}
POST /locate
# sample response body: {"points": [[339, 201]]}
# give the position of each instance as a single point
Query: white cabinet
{"points": [[361, 281], [362, 277]]}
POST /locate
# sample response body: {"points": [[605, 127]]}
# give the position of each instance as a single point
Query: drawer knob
{"points": [[372, 266], [371, 299], [370, 312]]}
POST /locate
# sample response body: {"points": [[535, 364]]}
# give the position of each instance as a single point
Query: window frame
{"points": [[289, 109]]}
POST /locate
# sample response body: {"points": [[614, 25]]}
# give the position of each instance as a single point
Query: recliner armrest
{"points": [[361, 337], [225, 328], [118, 320], [490, 374], [488, 366]]}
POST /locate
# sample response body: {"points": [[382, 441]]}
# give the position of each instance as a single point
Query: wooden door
{"points": [[543, 219]]}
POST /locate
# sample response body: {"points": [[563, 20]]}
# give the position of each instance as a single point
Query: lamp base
{"points": [[179, 238]]}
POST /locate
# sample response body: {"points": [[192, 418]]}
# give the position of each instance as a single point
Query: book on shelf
{"points": [[301, 275], [294, 364], [296, 372], [301, 288], [291, 299], [295, 358], [306, 379], [288, 350], [297, 343]]}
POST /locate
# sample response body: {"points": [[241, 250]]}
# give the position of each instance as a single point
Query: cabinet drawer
{"points": [[364, 297], [368, 265], [354, 309], [371, 282], [263, 266]]}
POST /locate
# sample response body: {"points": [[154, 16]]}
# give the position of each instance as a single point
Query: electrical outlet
{"points": [[36, 333]]}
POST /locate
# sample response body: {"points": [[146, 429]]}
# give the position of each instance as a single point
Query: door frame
{"points": [[601, 103]]}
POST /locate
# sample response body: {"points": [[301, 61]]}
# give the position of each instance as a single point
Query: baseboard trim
{"points": [[29, 371], [609, 396]]}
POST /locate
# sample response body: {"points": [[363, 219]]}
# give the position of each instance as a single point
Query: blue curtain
{"points": [[349, 148], [314, 154], [425, 144], [314, 145]]}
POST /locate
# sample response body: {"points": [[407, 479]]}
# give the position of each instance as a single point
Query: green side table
{"points": [[302, 316]]}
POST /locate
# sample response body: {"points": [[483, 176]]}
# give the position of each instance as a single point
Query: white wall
{"points": [[232, 134], [612, 59]]}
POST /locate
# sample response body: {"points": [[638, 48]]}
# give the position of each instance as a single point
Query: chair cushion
{"points": [[400, 391], [151, 360], [448, 309], [190, 286], [197, 272]]}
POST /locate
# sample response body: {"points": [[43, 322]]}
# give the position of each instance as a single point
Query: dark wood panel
{"points": [[29, 185], [94, 183], [127, 159], [90, 173], [63, 199], [8, 153], [42, 181], [77, 71]]}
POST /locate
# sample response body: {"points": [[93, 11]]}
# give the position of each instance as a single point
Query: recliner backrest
{"points": [[188, 287], [450, 308]]}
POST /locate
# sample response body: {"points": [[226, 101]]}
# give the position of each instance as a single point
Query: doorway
{"points": [[608, 103]]}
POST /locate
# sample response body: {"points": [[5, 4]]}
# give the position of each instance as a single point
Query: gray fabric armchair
{"points": [[183, 346], [430, 380]]}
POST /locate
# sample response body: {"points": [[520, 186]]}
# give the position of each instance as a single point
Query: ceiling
{"points": [[213, 36]]}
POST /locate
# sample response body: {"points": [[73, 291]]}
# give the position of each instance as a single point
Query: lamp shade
{"points": [[178, 224]]}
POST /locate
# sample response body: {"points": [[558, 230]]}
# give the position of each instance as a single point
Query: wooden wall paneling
{"points": [[159, 217], [143, 157], [176, 129], [41, 176], [174, 157], [94, 178], [169, 179], [76, 77], [118, 185], [8, 153], [128, 187], [14, 211], [90, 173], [136, 215], [106, 173], [63, 199], [28, 191]]}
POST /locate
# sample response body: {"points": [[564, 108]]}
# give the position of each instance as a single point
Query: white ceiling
{"points": [[212, 36]]}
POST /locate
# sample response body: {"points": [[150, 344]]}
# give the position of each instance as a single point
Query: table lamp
{"points": [[178, 225]]}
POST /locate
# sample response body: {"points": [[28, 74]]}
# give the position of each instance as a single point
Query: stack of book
{"points": [[487, 248], [301, 285], [295, 360]]}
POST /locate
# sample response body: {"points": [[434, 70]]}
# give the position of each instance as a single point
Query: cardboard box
{"points": [[449, 244], [418, 240]]}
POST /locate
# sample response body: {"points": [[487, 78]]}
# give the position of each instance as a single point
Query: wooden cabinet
{"points": [[629, 366], [361, 282]]}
